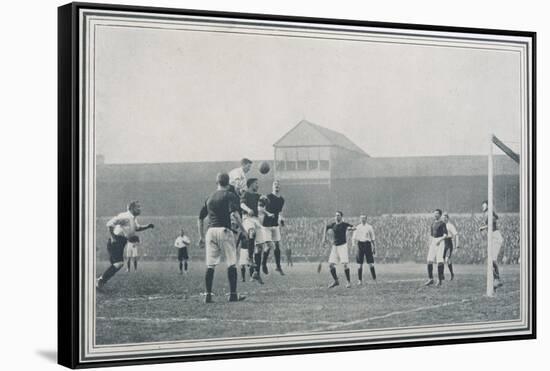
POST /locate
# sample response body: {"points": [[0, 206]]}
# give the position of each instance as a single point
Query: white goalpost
{"points": [[493, 140]]}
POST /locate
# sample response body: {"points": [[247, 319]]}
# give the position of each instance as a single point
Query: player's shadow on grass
{"points": [[50, 355]]}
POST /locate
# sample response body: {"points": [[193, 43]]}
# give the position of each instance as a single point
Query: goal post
{"points": [[493, 141]]}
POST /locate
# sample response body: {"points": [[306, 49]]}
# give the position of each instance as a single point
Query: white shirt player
{"points": [[363, 232], [124, 224], [237, 178], [451, 230], [182, 242]]}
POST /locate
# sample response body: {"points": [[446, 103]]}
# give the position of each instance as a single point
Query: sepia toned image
{"points": [[257, 185]]}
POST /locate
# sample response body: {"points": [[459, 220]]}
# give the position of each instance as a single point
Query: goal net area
{"points": [[502, 198]]}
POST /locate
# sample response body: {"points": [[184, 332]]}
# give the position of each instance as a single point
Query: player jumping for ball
{"points": [[496, 243], [220, 207], [237, 177], [452, 234], [123, 228], [182, 244], [339, 249], [363, 236], [438, 233], [253, 226], [272, 224]]}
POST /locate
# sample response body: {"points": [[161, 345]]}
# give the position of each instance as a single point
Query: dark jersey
{"points": [[218, 207], [439, 229], [250, 199], [340, 230], [274, 206], [486, 220]]}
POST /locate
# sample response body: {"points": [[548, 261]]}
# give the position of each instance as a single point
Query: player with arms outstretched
{"points": [[496, 244], [339, 250], [122, 228], [438, 233]]}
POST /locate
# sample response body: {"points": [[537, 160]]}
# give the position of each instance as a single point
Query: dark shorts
{"points": [[448, 252], [182, 253], [364, 252], [115, 247]]}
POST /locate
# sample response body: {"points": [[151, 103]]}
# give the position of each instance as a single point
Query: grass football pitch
{"points": [[157, 304]]}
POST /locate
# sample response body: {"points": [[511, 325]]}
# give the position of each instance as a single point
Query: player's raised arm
{"points": [[140, 227]]}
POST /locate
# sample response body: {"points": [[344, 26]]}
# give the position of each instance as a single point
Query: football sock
{"points": [[496, 274], [135, 264], [360, 273], [243, 272], [346, 271], [440, 271], [109, 273], [431, 271], [209, 278], [258, 261], [373, 273], [333, 273], [185, 265], [450, 266], [232, 277], [129, 263], [277, 254], [251, 269], [181, 266], [265, 257]]}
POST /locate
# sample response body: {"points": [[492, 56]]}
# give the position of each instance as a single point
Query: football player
{"points": [[182, 243], [438, 233], [122, 228]]}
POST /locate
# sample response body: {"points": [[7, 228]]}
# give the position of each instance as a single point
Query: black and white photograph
{"points": [[249, 184]]}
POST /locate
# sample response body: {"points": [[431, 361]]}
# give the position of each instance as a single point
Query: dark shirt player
{"points": [[339, 251], [438, 233], [220, 208], [274, 206]]}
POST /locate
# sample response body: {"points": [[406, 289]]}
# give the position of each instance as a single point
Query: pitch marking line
{"points": [[259, 288], [180, 320], [398, 313]]}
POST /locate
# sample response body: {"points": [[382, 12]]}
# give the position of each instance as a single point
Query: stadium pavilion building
{"points": [[320, 170]]}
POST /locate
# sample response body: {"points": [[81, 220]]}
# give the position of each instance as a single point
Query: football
{"points": [[264, 167]]}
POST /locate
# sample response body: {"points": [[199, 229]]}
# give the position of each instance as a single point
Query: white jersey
{"points": [[124, 224], [363, 232], [182, 242], [237, 178], [451, 230]]}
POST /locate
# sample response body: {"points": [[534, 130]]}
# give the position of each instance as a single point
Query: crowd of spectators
{"points": [[399, 238]]}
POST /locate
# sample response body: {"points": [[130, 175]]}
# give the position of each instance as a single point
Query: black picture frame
{"points": [[70, 198]]}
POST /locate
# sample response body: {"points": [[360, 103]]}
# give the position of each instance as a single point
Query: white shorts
{"points": [[272, 234], [243, 257], [217, 240], [131, 250], [339, 254], [497, 244], [253, 223], [435, 253]]}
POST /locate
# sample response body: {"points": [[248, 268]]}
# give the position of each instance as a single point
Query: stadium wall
{"points": [[375, 196]]}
